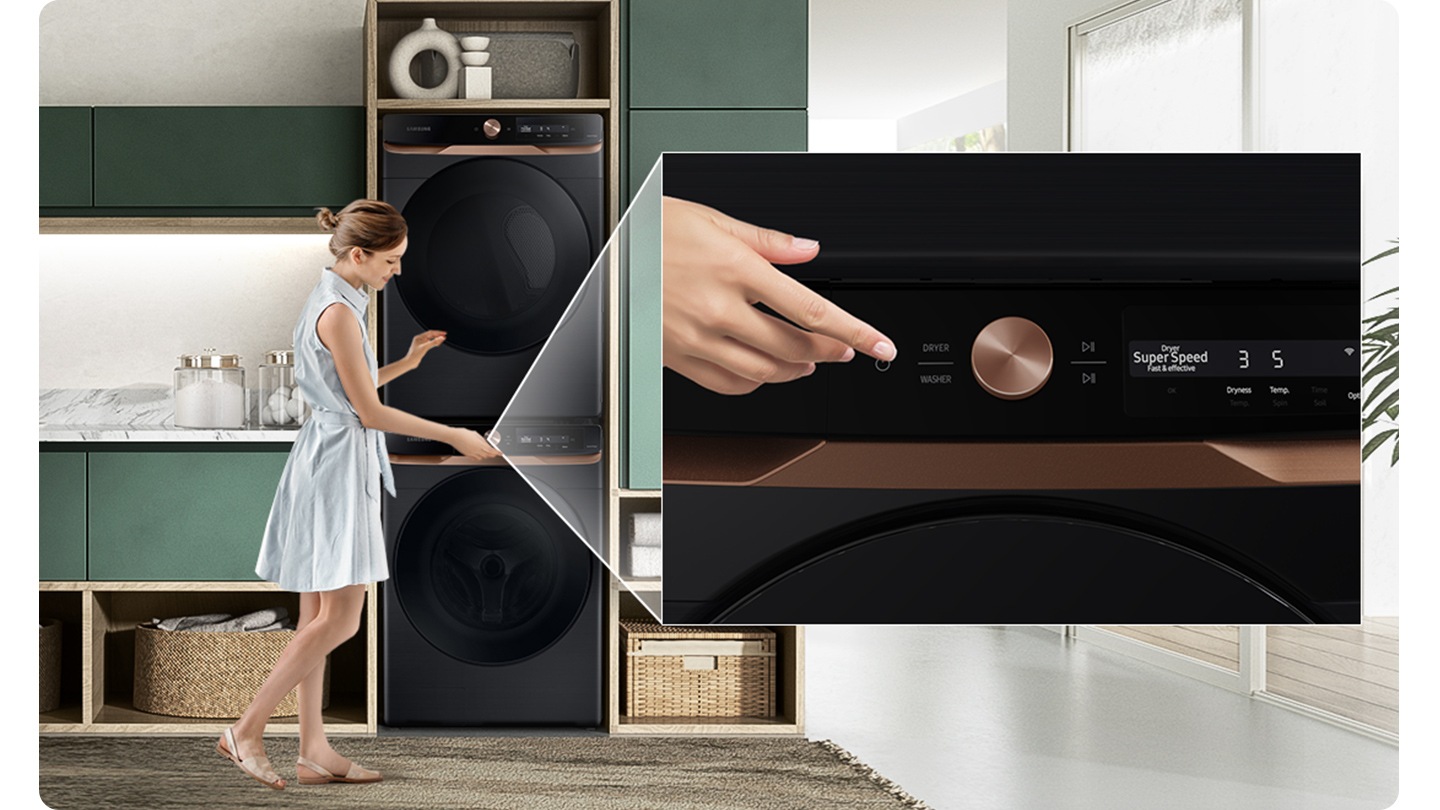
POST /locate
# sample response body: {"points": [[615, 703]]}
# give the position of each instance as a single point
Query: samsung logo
{"points": [[417, 129]]}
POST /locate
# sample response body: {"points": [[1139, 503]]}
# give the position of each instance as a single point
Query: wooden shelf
{"points": [[643, 584], [122, 716], [215, 225], [705, 725], [640, 494], [106, 612]]}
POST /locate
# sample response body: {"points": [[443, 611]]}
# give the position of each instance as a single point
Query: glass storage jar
{"points": [[210, 391], [281, 404]]}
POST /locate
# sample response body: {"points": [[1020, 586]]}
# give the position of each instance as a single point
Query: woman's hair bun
{"points": [[328, 220]]}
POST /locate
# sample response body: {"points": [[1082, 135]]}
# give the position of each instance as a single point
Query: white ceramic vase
{"points": [[428, 37]]}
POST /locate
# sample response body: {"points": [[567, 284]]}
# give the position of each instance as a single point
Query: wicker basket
{"points": [[49, 664], [211, 675], [698, 671]]}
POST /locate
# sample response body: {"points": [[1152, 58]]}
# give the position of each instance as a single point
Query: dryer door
{"points": [[486, 572], [497, 249]]}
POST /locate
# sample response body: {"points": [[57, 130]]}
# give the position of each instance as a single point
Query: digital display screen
{"points": [[1243, 358], [530, 126]]}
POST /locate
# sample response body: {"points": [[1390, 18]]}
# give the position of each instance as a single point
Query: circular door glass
{"points": [[497, 249], [486, 572]]}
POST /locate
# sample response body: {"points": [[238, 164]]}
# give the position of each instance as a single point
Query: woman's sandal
{"points": [[256, 767], [356, 775]]}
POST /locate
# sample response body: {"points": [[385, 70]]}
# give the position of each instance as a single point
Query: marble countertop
{"points": [[159, 433], [140, 414]]}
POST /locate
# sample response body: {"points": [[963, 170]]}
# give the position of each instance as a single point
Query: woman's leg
{"points": [[314, 746], [337, 619]]}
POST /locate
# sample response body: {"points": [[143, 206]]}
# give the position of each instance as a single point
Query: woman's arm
{"points": [[390, 371], [419, 346], [340, 333]]}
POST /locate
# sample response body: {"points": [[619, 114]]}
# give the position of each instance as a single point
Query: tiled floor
{"points": [[1017, 718]]}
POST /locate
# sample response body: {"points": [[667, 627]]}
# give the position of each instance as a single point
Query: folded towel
{"points": [[255, 622], [645, 561], [647, 529], [187, 622]]}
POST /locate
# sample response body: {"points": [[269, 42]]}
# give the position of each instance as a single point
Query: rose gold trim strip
{"points": [[491, 149], [1011, 465], [740, 461], [1334, 461]]}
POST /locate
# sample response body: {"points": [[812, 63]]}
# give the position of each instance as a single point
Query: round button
{"points": [[882, 365], [1012, 358], [492, 128]]}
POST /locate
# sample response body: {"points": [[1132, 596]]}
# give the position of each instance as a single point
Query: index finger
{"points": [[813, 311]]}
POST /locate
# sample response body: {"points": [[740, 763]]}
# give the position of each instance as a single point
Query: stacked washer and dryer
{"points": [[493, 613]]}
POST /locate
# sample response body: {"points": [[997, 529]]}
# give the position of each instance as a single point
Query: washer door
{"points": [[497, 249], [1005, 564], [486, 572]]}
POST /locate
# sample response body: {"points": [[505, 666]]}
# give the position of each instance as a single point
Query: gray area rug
{"points": [[565, 773]]}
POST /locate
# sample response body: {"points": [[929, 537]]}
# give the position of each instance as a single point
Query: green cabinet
{"points": [[718, 53], [65, 150], [696, 76], [179, 515], [62, 516], [229, 157], [655, 131]]}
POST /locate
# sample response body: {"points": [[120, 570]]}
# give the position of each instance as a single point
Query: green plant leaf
{"points": [[1376, 441], [1380, 388], [1390, 291], [1395, 456], [1381, 409], [1382, 254], [1389, 363]]}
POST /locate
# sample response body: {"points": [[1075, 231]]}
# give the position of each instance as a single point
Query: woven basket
{"points": [[49, 664], [698, 671], [211, 675]]}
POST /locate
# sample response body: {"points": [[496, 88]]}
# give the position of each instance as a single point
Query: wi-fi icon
{"points": [[1349, 349]]}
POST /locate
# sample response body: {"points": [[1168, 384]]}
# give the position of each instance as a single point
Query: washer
{"points": [[506, 216], [492, 615], [1127, 392]]}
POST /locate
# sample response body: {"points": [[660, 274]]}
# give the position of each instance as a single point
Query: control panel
{"points": [[1067, 360]]}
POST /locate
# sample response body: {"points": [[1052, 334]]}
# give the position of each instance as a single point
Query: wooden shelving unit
{"points": [[99, 699], [192, 225], [789, 686]]}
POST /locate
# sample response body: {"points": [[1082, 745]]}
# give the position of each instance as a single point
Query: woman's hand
{"points": [[422, 343], [473, 444], [716, 270]]}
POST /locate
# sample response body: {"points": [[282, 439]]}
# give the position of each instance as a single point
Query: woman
{"points": [[324, 538]]}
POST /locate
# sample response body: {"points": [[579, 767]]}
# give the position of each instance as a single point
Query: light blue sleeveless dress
{"points": [[324, 529]]}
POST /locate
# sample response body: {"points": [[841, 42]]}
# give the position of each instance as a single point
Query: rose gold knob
{"points": [[1012, 358], [492, 128]]}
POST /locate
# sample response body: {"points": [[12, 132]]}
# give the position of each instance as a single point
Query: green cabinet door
{"points": [[643, 413], [229, 157], [652, 132], [65, 157], [718, 53], [62, 516], [179, 515], [655, 131]]}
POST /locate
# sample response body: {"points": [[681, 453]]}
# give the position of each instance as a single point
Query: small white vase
{"points": [[428, 37]]}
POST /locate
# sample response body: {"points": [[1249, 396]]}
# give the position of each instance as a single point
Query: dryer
{"points": [[1127, 392], [492, 615], [505, 216]]}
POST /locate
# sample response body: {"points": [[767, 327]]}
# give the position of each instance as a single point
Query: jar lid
{"points": [[208, 358], [280, 357]]}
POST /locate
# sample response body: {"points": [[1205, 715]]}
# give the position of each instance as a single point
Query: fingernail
{"points": [[809, 369], [848, 355], [884, 351], [803, 244]]}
